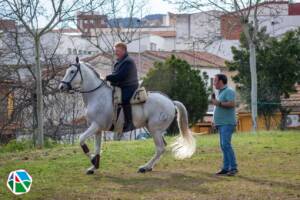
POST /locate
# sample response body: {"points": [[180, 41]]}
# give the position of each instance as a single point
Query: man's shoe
{"points": [[128, 127], [232, 172], [222, 172]]}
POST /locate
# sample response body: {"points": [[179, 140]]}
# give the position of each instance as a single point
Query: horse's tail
{"points": [[185, 144]]}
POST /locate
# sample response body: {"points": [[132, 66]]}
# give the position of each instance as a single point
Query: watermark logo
{"points": [[19, 182]]}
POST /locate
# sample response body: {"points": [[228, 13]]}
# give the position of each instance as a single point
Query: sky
{"points": [[152, 7], [160, 6]]}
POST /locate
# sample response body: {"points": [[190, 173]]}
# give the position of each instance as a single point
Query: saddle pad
{"points": [[117, 96], [139, 96], [117, 124]]}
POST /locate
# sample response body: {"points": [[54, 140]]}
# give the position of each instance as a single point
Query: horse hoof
{"points": [[144, 170], [88, 172], [95, 161]]}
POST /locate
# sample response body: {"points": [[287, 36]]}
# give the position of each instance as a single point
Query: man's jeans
{"points": [[226, 131]]}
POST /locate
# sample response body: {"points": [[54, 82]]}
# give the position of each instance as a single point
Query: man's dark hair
{"points": [[222, 77]]}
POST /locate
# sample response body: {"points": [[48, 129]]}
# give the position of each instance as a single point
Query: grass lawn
{"points": [[269, 165]]}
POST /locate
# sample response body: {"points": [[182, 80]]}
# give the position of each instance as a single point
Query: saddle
{"points": [[140, 96]]}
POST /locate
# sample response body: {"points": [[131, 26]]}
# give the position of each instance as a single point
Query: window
{"points": [[152, 46], [74, 51], [80, 52], [84, 52], [69, 51]]}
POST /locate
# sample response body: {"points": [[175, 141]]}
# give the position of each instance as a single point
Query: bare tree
{"points": [[18, 78], [121, 24], [38, 17]]}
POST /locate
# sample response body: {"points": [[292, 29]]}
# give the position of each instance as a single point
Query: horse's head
{"points": [[72, 79]]}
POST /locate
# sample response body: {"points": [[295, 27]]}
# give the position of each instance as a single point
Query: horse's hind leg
{"points": [[160, 149]]}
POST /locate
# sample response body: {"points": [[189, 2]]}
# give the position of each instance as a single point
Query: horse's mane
{"points": [[96, 73], [91, 68]]}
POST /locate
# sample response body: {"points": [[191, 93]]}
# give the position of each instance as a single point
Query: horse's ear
{"points": [[77, 60]]}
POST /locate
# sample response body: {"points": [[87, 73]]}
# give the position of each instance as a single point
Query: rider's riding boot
{"points": [[128, 126]]}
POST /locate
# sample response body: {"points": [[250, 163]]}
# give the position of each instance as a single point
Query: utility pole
{"points": [[139, 48], [194, 59], [140, 67]]}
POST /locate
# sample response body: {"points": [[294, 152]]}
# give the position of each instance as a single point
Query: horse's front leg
{"points": [[89, 132], [95, 159]]}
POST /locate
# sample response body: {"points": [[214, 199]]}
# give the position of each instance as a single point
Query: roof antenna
{"points": [[77, 60]]}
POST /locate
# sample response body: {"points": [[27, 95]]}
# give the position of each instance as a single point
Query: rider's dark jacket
{"points": [[125, 76]]}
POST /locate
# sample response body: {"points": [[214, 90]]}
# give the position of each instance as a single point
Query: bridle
{"points": [[78, 69]]}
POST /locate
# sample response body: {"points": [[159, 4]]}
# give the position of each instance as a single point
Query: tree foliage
{"points": [[179, 81], [278, 70]]}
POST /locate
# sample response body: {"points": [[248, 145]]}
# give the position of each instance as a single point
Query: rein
{"points": [[92, 90], [77, 65]]}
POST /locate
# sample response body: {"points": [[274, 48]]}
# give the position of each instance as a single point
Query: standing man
{"points": [[124, 75], [225, 121]]}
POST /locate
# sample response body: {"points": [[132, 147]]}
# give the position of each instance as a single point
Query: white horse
{"points": [[156, 114]]}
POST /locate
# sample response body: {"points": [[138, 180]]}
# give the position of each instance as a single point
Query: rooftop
{"points": [[103, 62]]}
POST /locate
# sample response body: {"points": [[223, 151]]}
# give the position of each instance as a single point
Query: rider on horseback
{"points": [[124, 75]]}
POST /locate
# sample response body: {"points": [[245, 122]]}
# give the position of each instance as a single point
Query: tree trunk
{"points": [[267, 120], [39, 94], [284, 113], [253, 85], [252, 60], [34, 118]]}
